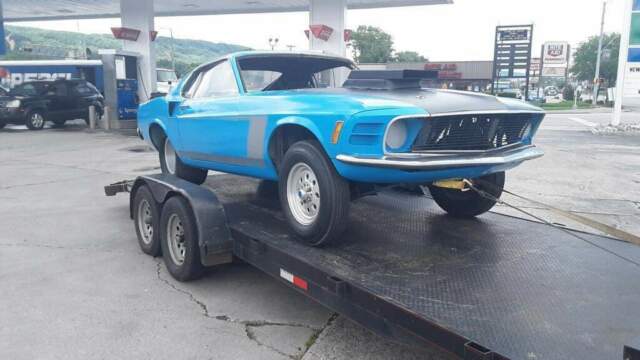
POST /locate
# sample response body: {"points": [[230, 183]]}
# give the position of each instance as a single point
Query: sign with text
{"points": [[632, 81], [556, 53], [124, 33]]}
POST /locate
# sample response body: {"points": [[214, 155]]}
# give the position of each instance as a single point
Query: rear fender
{"points": [[214, 237]]}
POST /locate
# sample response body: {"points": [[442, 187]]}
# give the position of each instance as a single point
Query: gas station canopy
{"points": [[34, 10]]}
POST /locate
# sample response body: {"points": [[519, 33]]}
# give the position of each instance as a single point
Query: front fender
{"points": [[304, 122]]}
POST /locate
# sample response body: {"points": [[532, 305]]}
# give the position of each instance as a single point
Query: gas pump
{"points": [[121, 81]]}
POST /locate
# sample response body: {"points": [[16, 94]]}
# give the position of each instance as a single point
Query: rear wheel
{"points": [[170, 163], [315, 198], [467, 204], [146, 215], [35, 120], [179, 240]]}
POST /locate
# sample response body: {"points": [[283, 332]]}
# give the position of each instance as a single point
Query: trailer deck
{"points": [[494, 287]]}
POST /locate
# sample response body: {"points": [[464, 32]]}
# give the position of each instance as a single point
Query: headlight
{"points": [[13, 104], [396, 135]]}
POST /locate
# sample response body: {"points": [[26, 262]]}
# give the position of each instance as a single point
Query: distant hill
{"points": [[26, 43]]}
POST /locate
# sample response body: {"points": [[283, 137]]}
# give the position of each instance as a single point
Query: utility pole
{"points": [[173, 51], [622, 61], [596, 80]]}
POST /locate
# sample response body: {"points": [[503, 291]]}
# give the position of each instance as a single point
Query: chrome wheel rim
{"points": [[169, 156], [303, 194], [37, 120], [145, 221], [175, 234]]}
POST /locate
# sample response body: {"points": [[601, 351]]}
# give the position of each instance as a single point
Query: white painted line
{"points": [[583, 122]]}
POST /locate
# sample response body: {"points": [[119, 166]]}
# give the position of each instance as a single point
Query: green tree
{"points": [[409, 56], [584, 67], [371, 45]]}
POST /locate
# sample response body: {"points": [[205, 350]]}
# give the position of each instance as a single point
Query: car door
{"points": [[60, 106], [83, 97], [208, 124]]}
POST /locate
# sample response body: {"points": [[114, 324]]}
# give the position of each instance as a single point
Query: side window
{"points": [[59, 89], [216, 81], [81, 89], [192, 83]]}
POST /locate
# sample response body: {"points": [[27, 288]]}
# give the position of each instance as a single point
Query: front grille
{"points": [[471, 132]]}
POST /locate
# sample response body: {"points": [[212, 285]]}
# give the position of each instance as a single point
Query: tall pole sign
{"points": [[512, 55], [628, 80]]}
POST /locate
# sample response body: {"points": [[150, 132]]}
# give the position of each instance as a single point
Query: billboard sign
{"points": [[556, 53], [632, 81]]}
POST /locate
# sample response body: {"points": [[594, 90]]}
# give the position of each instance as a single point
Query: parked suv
{"points": [[34, 103]]}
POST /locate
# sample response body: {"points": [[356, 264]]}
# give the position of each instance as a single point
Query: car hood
{"points": [[433, 101]]}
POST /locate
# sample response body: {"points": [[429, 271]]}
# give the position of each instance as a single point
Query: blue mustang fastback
{"points": [[281, 117]]}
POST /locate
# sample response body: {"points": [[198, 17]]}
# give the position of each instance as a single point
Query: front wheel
{"points": [[35, 120], [170, 163], [314, 197], [469, 203]]}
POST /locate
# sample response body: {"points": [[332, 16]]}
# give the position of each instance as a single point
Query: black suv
{"points": [[34, 103]]}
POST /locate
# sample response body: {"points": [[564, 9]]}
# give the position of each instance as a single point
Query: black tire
{"points": [[2, 125], [146, 217], [190, 268], [468, 204], [186, 172], [35, 120], [332, 214], [59, 123]]}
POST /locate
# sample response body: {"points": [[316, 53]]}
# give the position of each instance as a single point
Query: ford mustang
{"points": [[280, 117]]}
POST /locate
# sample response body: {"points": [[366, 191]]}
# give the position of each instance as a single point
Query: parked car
{"points": [[328, 146], [166, 78], [34, 103]]}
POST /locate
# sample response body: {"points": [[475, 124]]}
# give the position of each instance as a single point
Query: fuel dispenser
{"points": [[121, 83]]}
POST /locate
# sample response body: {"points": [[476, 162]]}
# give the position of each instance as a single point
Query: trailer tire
{"points": [[468, 204], [170, 163], [146, 215], [179, 239], [315, 199]]}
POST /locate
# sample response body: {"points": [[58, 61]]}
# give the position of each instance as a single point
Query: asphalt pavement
{"points": [[76, 286]]}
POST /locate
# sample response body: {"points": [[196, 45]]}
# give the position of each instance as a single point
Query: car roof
{"points": [[269, 53]]}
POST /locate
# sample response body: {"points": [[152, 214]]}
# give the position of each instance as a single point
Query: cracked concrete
{"points": [[73, 278]]}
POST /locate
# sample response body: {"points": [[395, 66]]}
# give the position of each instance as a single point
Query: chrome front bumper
{"points": [[431, 161]]}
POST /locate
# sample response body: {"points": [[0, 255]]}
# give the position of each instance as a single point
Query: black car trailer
{"points": [[496, 287]]}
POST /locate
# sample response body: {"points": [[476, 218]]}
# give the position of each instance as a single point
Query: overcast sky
{"points": [[462, 31]]}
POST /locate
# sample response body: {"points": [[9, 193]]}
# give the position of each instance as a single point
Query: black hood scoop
{"points": [[387, 79]]}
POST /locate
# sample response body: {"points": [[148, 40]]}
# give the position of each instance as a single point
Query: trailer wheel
{"points": [[467, 204], [170, 163], [146, 215], [180, 240], [314, 197]]}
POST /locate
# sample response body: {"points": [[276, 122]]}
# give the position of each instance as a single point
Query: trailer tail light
{"points": [[298, 282]]}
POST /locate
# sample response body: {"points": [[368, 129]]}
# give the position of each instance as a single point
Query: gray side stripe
{"points": [[255, 137], [232, 160]]}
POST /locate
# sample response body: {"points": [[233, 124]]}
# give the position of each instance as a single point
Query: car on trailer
{"points": [[280, 117]]}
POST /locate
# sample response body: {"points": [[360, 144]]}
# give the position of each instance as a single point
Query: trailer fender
{"points": [[214, 237]]}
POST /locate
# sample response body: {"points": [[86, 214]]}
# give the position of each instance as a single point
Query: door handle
{"points": [[184, 107]]}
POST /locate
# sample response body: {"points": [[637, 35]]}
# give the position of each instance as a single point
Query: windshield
{"points": [[166, 76], [29, 89]]}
